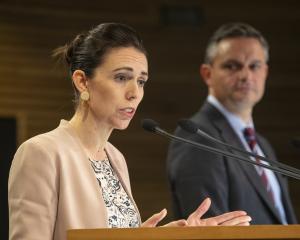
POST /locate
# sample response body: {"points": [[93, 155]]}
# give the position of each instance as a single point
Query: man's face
{"points": [[237, 74]]}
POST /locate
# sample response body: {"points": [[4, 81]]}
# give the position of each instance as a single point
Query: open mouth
{"points": [[127, 112]]}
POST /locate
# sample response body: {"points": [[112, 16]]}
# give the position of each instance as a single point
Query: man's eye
{"points": [[231, 66], [255, 66]]}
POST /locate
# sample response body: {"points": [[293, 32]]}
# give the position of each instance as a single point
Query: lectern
{"points": [[257, 232]]}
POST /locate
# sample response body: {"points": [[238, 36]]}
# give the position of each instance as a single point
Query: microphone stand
{"points": [[191, 127], [161, 132]]}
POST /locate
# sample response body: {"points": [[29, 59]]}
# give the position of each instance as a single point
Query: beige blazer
{"points": [[52, 187]]}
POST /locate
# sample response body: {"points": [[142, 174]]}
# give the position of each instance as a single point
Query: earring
{"points": [[84, 96]]}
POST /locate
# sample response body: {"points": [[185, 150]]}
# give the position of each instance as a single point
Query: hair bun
{"points": [[73, 46], [66, 52]]}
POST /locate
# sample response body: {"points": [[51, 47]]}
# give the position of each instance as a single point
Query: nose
{"points": [[132, 91], [245, 74]]}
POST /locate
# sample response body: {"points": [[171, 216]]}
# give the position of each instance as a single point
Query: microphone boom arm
{"points": [[279, 164], [191, 127], [227, 154]]}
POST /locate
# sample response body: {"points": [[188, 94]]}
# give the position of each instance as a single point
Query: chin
{"points": [[121, 125], [244, 98]]}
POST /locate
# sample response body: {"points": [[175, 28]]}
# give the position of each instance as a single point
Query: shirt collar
{"points": [[235, 121]]}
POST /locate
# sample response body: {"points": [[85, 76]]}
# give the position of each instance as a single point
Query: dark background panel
{"points": [[8, 143]]}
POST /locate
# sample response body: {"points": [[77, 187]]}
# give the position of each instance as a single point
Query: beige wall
{"points": [[38, 92]]}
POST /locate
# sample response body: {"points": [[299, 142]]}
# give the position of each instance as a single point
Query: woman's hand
{"points": [[236, 218], [156, 218]]}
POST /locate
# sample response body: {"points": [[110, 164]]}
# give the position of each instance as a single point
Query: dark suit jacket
{"points": [[232, 185]]}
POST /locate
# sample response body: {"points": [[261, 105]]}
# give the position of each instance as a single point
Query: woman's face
{"points": [[117, 86]]}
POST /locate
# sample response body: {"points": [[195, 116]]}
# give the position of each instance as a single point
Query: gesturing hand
{"points": [[236, 218], [156, 218]]}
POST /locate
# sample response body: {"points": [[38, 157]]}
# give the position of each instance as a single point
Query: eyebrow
{"points": [[129, 69]]}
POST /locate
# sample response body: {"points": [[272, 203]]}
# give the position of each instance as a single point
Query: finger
{"points": [[237, 221], [201, 210], [155, 219], [178, 223], [209, 222], [243, 224], [229, 216]]}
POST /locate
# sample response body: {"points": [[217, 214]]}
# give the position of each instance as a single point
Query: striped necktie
{"points": [[250, 137]]}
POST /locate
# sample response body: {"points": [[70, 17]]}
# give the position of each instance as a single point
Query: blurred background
{"points": [[36, 92]]}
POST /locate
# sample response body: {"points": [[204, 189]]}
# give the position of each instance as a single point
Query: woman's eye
{"points": [[121, 78], [142, 83]]}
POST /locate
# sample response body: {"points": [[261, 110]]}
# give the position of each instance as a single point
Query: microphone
{"points": [[152, 126], [192, 127]]}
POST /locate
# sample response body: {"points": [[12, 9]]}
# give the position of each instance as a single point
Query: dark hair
{"points": [[87, 51], [233, 30]]}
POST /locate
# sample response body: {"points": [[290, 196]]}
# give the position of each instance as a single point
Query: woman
{"points": [[72, 177]]}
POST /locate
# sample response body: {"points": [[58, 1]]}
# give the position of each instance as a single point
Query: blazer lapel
{"points": [[117, 170], [289, 212], [229, 136]]}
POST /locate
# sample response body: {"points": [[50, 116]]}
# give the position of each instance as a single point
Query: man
{"points": [[235, 72]]}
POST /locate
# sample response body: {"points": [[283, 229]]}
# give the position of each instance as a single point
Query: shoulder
{"points": [[47, 142], [206, 119], [34, 161], [43, 149]]}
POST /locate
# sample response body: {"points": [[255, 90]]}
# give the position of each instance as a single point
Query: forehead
{"points": [[125, 57], [240, 49]]}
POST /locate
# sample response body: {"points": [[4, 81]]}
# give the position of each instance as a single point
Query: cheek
{"points": [[260, 82], [140, 97], [224, 79], [262, 87], [227, 83], [100, 96], [101, 99]]}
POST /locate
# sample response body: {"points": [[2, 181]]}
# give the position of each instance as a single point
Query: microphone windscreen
{"points": [[149, 125], [188, 125]]}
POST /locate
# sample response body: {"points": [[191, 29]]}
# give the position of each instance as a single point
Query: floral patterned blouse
{"points": [[120, 210]]}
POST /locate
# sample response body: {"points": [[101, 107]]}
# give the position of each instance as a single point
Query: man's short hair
{"points": [[233, 30]]}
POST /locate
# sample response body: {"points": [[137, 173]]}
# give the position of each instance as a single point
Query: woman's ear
{"points": [[79, 80]]}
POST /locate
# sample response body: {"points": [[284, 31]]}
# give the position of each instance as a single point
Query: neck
{"points": [[240, 109], [243, 112], [92, 133]]}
